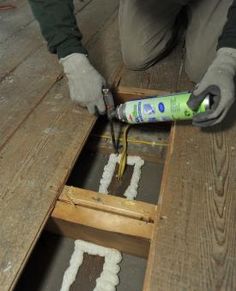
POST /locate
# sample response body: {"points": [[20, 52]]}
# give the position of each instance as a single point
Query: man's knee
{"points": [[144, 31], [136, 58]]}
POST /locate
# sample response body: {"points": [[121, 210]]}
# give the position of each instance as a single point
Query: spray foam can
{"points": [[157, 109]]}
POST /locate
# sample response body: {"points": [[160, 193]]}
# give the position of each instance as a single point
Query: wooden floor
{"points": [[41, 131], [42, 134], [194, 247]]}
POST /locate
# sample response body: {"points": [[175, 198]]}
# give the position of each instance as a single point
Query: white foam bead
{"points": [[103, 190], [130, 193], [113, 258], [109, 170], [104, 285], [110, 277], [101, 288], [70, 274], [111, 268]]}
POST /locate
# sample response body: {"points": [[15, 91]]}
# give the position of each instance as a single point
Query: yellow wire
{"points": [[123, 158], [125, 140], [135, 141]]}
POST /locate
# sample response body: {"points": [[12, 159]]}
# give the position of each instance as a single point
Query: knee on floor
{"points": [[136, 58]]}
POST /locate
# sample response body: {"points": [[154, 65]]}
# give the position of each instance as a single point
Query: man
{"points": [[148, 31]]}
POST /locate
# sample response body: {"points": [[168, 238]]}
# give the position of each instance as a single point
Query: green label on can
{"points": [[167, 108]]}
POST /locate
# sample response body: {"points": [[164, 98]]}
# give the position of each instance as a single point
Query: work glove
{"points": [[218, 82], [85, 83]]}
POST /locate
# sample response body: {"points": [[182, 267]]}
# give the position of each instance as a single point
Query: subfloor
{"points": [[49, 260]]}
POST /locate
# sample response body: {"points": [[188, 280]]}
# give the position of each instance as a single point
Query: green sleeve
{"points": [[58, 26], [228, 37]]}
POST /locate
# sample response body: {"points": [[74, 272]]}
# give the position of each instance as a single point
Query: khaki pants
{"points": [[146, 26]]}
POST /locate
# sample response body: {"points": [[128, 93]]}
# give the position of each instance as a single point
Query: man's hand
{"points": [[85, 83], [218, 82]]}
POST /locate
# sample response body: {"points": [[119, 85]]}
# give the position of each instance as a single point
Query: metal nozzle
{"points": [[109, 102]]}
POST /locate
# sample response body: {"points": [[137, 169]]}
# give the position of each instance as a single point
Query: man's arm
{"points": [[59, 28], [219, 80]]}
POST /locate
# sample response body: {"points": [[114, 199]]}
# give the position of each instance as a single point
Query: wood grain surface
{"points": [[29, 81], [23, 39], [106, 221], [194, 242], [41, 136], [109, 203], [33, 167]]}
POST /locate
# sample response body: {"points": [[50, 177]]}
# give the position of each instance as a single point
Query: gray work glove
{"points": [[218, 82], [85, 83]]}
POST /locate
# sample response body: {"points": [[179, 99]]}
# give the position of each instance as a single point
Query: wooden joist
{"points": [[124, 93], [104, 219], [130, 208]]}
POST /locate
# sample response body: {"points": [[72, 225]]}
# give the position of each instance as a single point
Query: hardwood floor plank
{"points": [[193, 247], [27, 85], [42, 134], [24, 42]]}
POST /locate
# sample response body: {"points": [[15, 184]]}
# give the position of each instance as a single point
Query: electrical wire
{"points": [[125, 140], [134, 141], [123, 158]]}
